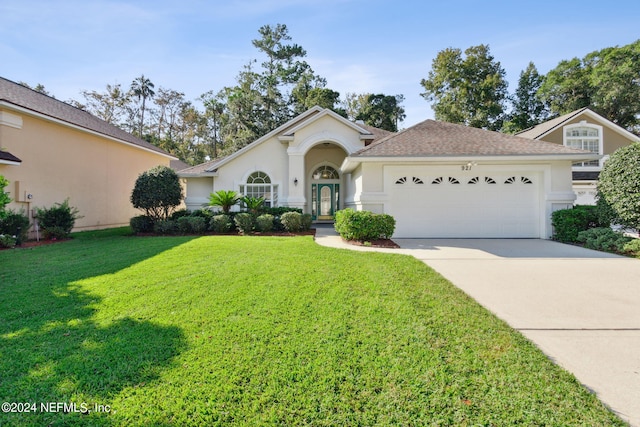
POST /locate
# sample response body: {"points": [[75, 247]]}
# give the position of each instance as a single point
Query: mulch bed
{"points": [[36, 243], [382, 243]]}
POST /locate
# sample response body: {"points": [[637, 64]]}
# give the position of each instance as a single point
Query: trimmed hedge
{"points": [[141, 224], [15, 224], [244, 221], [220, 223], [364, 226], [567, 223], [264, 223]]}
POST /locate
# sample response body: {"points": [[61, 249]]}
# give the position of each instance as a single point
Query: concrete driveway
{"points": [[580, 307]]}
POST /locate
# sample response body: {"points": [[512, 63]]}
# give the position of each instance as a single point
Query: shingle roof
{"points": [[202, 167], [376, 132], [4, 155], [432, 138], [21, 96], [537, 131]]}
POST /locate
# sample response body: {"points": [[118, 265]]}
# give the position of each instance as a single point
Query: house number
{"points": [[466, 167]]}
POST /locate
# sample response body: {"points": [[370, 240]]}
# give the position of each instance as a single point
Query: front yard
{"points": [[225, 330]]}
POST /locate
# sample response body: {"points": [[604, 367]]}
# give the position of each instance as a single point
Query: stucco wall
{"points": [[96, 174]]}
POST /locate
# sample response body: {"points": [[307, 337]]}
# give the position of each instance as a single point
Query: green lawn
{"points": [[262, 331]]}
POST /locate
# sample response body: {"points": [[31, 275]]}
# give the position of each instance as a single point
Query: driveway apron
{"points": [[580, 307]]}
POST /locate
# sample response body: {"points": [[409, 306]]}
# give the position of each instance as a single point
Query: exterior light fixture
{"points": [[295, 181]]}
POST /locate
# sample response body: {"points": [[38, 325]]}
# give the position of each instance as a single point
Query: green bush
{"points": [[4, 196], [632, 247], [7, 241], [141, 224], [203, 213], [603, 239], [57, 221], [306, 221], [291, 221], [221, 223], [166, 226], [279, 211], [264, 222], [567, 223], [197, 224], [183, 224], [364, 226], [179, 214], [244, 221], [15, 224], [157, 192]]}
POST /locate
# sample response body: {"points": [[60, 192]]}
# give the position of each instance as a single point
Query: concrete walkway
{"points": [[580, 307]]}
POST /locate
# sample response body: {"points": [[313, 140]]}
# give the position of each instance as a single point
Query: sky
{"points": [[359, 46]]}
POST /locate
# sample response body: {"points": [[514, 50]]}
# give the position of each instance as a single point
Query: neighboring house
{"points": [[589, 131], [437, 179], [52, 151]]}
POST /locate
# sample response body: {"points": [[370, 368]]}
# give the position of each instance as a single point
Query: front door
{"points": [[325, 201]]}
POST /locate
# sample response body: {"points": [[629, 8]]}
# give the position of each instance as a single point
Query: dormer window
{"points": [[584, 136]]}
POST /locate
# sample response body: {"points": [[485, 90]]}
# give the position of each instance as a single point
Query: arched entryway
{"points": [[325, 193]]}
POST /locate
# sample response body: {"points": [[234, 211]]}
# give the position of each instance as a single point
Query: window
{"points": [[325, 172], [259, 185], [584, 136]]}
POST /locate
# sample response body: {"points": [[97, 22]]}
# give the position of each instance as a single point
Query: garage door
{"points": [[464, 205]]}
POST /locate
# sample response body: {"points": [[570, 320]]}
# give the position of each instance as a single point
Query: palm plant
{"points": [[253, 204], [225, 199], [143, 89]]}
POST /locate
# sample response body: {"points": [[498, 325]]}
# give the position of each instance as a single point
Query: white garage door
{"points": [[449, 203]]}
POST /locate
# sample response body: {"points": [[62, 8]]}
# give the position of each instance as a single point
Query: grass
{"points": [[262, 331]]}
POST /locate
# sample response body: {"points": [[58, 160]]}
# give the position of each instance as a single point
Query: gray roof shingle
{"points": [[21, 96], [432, 138]]}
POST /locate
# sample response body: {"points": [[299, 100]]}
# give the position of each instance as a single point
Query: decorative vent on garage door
{"points": [[404, 180], [452, 180], [513, 180], [489, 180], [474, 180], [438, 180]]}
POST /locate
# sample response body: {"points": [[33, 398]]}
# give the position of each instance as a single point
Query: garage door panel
{"points": [[509, 207]]}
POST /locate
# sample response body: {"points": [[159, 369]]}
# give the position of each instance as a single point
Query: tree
{"points": [[4, 197], [606, 81], [110, 105], [382, 111], [528, 109], [470, 90], [142, 88], [157, 192], [619, 185], [224, 199]]}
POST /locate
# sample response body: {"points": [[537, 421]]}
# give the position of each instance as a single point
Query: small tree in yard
{"points": [[224, 199], [619, 185], [157, 192]]}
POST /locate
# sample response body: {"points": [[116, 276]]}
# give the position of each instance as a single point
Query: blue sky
{"points": [[376, 46]]}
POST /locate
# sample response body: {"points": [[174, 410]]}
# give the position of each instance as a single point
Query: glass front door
{"points": [[325, 201]]}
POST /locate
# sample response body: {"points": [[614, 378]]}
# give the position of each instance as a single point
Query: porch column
{"points": [[296, 197]]}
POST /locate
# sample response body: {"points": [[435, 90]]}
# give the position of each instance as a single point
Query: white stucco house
{"points": [[437, 179]]}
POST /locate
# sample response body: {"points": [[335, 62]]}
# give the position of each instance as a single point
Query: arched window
{"points": [[325, 172], [584, 136], [259, 185]]}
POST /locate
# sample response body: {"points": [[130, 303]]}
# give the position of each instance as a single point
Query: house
{"points": [[52, 151], [587, 130], [437, 179]]}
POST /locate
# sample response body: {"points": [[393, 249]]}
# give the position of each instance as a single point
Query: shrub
{"points": [[57, 221], [157, 192], [224, 199], [165, 226], [364, 226], [183, 224], [7, 241], [255, 205], [567, 223], [244, 221], [291, 221], [197, 224], [264, 222], [179, 214], [619, 185], [306, 221], [220, 223], [15, 224], [276, 212], [141, 224], [632, 247], [603, 239], [203, 213], [4, 197]]}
